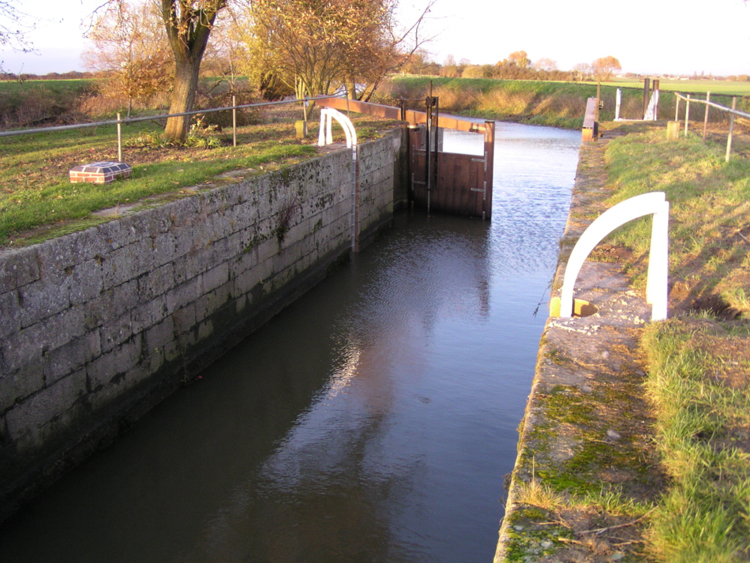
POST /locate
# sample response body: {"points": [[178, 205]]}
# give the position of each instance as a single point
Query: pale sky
{"points": [[646, 36]]}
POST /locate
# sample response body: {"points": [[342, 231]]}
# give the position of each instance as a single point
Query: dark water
{"points": [[372, 421]]}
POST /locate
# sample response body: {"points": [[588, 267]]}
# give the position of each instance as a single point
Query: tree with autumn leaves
{"points": [[131, 49], [605, 67], [313, 46], [317, 46]]}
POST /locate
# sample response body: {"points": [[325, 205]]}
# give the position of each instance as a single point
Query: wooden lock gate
{"points": [[450, 183]]}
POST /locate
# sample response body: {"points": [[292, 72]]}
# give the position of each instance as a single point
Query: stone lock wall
{"points": [[98, 326]]}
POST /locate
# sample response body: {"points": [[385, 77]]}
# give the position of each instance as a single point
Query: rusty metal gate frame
{"points": [[433, 120]]}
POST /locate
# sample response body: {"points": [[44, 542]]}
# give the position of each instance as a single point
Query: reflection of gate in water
{"points": [[456, 184]]}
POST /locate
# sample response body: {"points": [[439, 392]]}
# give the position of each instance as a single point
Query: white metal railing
{"points": [[653, 203], [733, 111], [325, 137]]}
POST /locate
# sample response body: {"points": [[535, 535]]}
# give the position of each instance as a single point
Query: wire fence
{"points": [[733, 111]]}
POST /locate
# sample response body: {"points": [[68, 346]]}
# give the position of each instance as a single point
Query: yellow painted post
{"points": [[673, 130]]}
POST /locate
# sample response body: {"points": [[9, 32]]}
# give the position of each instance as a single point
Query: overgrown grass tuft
{"points": [[703, 427]]}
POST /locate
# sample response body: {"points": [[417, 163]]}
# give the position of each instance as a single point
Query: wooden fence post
{"points": [[705, 117], [731, 128], [687, 114]]}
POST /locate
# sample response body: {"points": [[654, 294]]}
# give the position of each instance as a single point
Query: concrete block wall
{"points": [[98, 326]]}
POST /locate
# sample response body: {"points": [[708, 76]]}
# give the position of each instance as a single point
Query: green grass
{"points": [[35, 190], [697, 362], [725, 87], [38, 201], [705, 517], [13, 87], [560, 104], [709, 209]]}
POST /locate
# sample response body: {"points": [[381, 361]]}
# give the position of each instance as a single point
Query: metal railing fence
{"points": [[733, 111], [119, 122]]}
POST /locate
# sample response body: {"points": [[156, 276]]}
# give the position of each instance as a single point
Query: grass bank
{"points": [[698, 361], [559, 104], [709, 216], [40, 102], [698, 382], [635, 445], [37, 200]]}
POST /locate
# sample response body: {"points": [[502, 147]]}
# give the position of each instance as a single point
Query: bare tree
{"points": [[14, 26], [545, 64], [582, 70], [130, 46]]}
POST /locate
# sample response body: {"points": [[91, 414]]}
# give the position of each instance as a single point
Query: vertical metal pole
{"points": [[119, 138], [598, 96], [705, 117], [428, 154], [234, 121], [304, 113], [687, 114], [428, 146], [731, 128], [489, 163], [355, 218], [436, 117], [646, 95]]}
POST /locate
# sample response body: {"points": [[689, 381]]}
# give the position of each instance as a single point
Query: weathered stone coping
{"points": [[587, 426]]}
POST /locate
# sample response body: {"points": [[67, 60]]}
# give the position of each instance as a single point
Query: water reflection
{"points": [[372, 421]]}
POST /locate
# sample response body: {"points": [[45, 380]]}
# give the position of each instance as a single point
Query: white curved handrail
{"points": [[325, 136], [646, 204]]}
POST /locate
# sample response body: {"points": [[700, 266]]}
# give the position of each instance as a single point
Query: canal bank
{"points": [[100, 325], [372, 420], [586, 455]]}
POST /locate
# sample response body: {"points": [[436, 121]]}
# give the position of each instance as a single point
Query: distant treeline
{"points": [[23, 77], [560, 104], [518, 67]]}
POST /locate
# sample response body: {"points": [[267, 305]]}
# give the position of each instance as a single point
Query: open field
{"points": [[725, 87], [560, 104]]}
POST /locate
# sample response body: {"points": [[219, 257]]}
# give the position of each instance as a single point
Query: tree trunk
{"points": [[183, 98], [188, 28]]}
